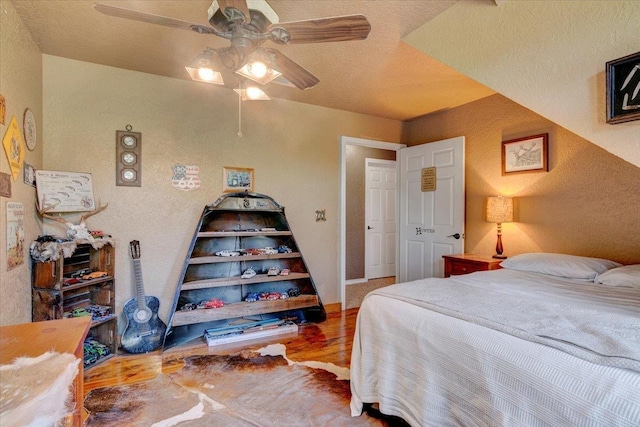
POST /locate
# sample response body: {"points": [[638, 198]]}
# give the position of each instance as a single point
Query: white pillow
{"points": [[562, 265], [625, 276]]}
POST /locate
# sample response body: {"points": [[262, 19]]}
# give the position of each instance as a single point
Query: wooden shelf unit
{"points": [[234, 281], [51, 299], [216, 259], [241, 309], [239, 222]]}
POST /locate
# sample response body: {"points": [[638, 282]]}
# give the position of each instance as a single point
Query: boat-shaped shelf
{"points": [[241, 222]]}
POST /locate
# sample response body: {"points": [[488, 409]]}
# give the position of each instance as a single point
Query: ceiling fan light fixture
{"points": [[252, 93], [258, 68], [206, 74], [203, 68]]}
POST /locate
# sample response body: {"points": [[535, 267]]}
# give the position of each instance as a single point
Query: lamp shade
{"points": [[205, 67], [252, 93], [259, 67], [499, 209]]}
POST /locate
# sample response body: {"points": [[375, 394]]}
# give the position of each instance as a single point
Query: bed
{"points": [[548, 340]]}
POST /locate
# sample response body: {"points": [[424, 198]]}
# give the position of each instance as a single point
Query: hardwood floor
{"points": [[329, 341]]}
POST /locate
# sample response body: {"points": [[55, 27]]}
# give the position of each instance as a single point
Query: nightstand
{"points": [[468, 263]]}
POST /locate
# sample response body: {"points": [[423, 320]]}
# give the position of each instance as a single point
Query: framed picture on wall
{"points": [[528, 154], [237, 179], [61, 191], [623, 89]]}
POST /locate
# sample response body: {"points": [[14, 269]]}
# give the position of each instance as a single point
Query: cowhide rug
{"points": [[258, 388], [35, 391]]}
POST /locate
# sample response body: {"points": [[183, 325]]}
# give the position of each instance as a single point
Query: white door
{"points": [[380, 218], [431, 222]]}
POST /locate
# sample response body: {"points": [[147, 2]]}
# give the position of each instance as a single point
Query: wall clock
{"points": [[128, 158], [29, 129]]}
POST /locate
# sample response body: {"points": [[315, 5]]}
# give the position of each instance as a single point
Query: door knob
{"points": [[455, 236], [369, 227]]}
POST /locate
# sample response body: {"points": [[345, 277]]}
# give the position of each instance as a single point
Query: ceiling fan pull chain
{"points": [[240, 111]]}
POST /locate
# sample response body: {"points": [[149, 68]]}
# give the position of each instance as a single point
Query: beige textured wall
{"points": [[294, 149], [21, 86], [548, 56], [587, 204], [355, 206]]}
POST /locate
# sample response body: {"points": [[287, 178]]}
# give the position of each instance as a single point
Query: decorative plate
{"points": [[29, 129]]}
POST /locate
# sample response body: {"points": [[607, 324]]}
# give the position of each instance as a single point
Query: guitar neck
{"points": [[140, 297]]}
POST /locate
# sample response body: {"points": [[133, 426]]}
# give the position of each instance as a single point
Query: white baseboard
{"points": [[355, 281]]}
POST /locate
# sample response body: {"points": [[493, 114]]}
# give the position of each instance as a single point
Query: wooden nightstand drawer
{"points": [[468, 263], [458, 267]]}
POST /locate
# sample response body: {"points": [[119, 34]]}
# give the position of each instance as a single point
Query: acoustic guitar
{"points": [[144, 331]]}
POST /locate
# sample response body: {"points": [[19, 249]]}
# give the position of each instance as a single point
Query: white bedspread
{"points": [[463, 362]]}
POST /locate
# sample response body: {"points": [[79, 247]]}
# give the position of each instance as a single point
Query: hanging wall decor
{"points": [[128, 158], [15, 235], [3, 108], [237, 179], [185, 177], [529, 154], [29, 129], [428, 179], [62, 191], [29, 174], [5, 185], [14, 147], [623, 89]]}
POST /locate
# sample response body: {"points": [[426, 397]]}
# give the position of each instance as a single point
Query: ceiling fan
{"points": [[248, 24]]}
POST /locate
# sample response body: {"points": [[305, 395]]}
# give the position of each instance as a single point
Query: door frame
{"points": [[367, 252], [344, 142]]}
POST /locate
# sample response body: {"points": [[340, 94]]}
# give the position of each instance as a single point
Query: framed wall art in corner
{"points": [[623, 89], [237, 179], [528, 154]]}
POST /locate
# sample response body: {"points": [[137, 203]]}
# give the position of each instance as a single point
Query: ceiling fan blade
{"points": [[120, 12], [337, 29], [292, 71]]}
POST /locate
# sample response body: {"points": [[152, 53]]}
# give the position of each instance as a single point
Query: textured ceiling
{"points": [[380, 76]]}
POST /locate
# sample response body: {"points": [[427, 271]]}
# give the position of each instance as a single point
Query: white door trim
{"points": [[344, 141]]}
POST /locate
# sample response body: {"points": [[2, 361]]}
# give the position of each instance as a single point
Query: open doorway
{"points": [[353, 153]]}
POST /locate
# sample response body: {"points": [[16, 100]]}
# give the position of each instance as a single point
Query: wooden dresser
{"points": [[468, 263], [34, 339]]}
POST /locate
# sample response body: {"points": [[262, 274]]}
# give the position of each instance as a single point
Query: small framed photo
{"points": [[623, 89], [5, 184], [237, 179], [29, 174], [528, 154]]}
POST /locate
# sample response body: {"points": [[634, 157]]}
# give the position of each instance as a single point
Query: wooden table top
{"points": [[473, 257], [36, 338]]}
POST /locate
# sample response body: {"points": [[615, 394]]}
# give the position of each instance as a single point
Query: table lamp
{"points": [[499, 210]]}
